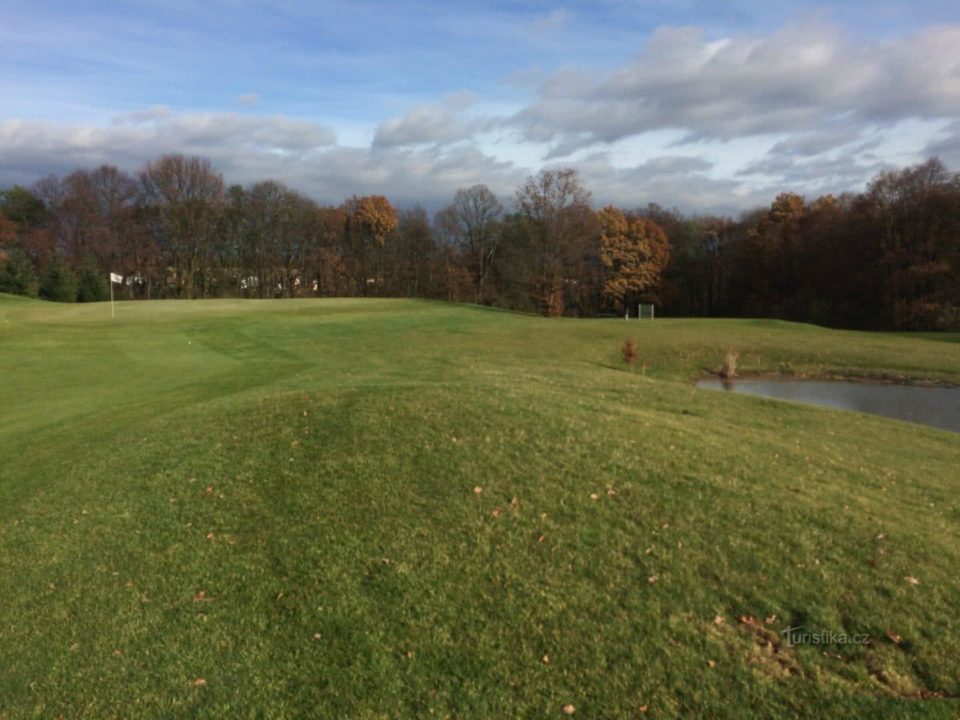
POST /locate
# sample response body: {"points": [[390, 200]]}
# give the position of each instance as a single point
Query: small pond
{"points": [[937, 407]]}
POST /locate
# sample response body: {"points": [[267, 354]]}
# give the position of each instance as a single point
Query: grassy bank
{"points": [[371, 509]]}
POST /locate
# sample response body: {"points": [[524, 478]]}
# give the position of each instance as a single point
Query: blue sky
{"points": [[702, 105]]}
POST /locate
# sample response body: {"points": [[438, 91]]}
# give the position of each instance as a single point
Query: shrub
{"points": [[91, 286], [17, 275], [59, 283]]}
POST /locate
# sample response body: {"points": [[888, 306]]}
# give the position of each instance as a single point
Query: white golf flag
{"points": [[116, 278]]}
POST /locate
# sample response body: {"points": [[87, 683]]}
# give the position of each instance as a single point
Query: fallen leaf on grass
{"points": [[202, 597], [569, 709], [711, 664], [199, 682], [496, 512], [594, 496], [210, 536], [719, 620], [893, 637], [477, 490], [653, 578], [912, 580]]}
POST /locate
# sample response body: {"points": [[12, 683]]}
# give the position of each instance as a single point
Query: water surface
{"points": [[937, 407]]}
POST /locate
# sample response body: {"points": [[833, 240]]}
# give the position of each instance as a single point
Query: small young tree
{"points": [[59, 283], [729, 369], [17, 275], [91, 285]]}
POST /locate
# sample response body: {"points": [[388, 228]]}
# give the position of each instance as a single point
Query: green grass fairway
{"points": [[392, 509]]}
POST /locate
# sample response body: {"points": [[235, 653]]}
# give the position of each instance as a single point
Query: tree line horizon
{"points": [[887, 258]]}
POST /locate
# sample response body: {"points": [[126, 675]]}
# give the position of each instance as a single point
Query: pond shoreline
{"points": [[931, 404], [881, 379]]}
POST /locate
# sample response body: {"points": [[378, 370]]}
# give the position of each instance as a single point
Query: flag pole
{"points": [[114, 278]]}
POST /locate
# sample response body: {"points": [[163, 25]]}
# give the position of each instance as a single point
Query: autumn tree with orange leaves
{"points": [[370, 222], [634, 251]]}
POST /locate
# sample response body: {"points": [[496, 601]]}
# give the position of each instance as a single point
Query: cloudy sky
{"points": [[706, 106]]}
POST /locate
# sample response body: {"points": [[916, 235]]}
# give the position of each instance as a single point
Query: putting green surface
{"points": [[386, 508]]}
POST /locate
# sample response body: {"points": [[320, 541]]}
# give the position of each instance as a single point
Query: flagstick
{"points": [[112, 312]]}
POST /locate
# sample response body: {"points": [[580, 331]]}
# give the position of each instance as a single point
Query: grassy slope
{"points": [[310, 468]]}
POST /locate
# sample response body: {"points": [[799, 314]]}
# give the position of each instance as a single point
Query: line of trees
{"points": [[884, 259], [887, 258]]}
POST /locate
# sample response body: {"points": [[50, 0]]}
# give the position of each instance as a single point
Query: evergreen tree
{"points": [[91, 285], [59, 282], [17, 275]]}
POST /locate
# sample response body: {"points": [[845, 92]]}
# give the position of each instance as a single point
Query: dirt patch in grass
{"points": [[770, 655], [765, 651]]}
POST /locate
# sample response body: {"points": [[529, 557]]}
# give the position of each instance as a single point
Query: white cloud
{"points": [[37, 148], [438, 123], [793, 80], [247, 149], [701, 124], [816, 142], [947, 147], [429, 176], [813, 177], [669, 180]]}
